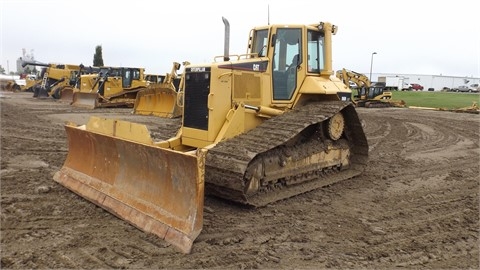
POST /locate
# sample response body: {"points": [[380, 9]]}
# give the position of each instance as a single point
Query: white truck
{"points": [[394, 83]]}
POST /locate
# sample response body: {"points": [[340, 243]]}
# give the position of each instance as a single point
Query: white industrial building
{"points": [[437, 82]]}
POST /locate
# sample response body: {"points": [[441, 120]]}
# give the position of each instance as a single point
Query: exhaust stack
{"points": [[226, 46]]}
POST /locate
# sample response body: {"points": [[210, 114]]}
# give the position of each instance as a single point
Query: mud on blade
{"points": [[158, 190], [85, 100]]}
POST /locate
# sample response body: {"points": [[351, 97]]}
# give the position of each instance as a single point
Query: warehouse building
{"points": [[437, 82]]}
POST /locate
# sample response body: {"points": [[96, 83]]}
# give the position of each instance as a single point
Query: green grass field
{"points": [[446, 100]]}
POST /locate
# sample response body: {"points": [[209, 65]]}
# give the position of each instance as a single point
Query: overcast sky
{"points": [[409, 36]]}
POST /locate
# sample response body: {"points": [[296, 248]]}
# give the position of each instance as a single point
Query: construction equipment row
{"points": [[99, 87]]}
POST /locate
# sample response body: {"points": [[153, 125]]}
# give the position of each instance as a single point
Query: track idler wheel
{"points": [[336, 125]]}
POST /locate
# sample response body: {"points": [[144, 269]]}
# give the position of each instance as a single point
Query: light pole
{"points": [[371, 65]]}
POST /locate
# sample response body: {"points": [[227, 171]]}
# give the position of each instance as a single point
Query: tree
{"points": [[2, 70], [97, 57], [27, 70]]}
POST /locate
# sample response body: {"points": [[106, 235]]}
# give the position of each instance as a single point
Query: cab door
{"points": [[287, 57], [126, 78]]}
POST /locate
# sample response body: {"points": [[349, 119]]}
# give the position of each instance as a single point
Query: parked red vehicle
{"points": [[416, 87]]}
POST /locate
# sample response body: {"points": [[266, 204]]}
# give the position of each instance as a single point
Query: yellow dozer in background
{"points": [[154, 78], [160, 97], [365, 94], [12, 83], [57, 80], [256, 128], [31, 81], [110, 87]]}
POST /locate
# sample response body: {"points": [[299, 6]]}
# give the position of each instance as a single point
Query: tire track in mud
{"points": [[433, 191], [376, 136]]}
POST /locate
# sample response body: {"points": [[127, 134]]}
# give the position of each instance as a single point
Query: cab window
{"points": [[260, 41], [136, 74], [287, 57], [316, 61]]}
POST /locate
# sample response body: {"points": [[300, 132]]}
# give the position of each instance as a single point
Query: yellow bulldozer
{"points": [[365, 94], [110, 87], [13, 83], [160, 98], [56, 80], [256, 128], [154, 78], [31, 81]]}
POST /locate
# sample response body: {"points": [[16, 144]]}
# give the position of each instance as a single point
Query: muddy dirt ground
{"points": [[416, 205]]}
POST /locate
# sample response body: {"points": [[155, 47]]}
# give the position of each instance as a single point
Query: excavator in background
{"points": [[256, 128], [366, 94], [160, 98], [110, 87], [57, 80]]}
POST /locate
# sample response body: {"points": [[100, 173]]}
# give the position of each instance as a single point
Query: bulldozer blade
{"points": [[158, 101], [66, 95], [158, 190], [85, 100], [41, 92]]}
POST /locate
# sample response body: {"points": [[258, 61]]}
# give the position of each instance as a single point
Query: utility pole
{"points": [[371, 65]]}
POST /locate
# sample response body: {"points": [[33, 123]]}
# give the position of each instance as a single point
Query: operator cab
{"points": [[286, 53]]}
